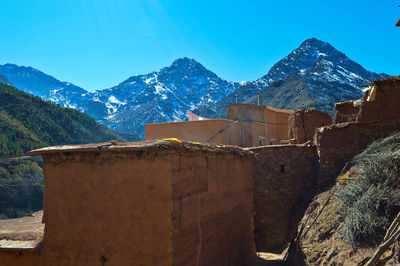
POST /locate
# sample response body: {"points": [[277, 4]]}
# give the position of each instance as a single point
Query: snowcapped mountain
{"points": [[313, 75], [33, 81], [160, 96]]}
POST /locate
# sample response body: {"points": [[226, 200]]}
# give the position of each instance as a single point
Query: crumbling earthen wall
{"points": [[378, 117], [346, 111], [304, 122], [337, 144], [155, 204], [381, 102], [285, 182]]}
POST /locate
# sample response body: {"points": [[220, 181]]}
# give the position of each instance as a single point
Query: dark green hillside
{"points": [[27, 122], [21, 186]]}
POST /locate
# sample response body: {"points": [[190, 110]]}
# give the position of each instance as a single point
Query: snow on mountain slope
{"points": [[325, 74], [313, 75], [160, 96]]}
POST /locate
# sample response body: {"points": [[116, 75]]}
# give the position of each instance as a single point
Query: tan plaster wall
{"points": [[246, 112], [220, 131], [277, 125]]}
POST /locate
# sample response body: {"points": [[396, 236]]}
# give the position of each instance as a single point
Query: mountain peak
{"points": [[313, 42], [185, 62]]}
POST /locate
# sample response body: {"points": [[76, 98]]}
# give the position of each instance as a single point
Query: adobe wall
{"points": [[154, 204], [220, 131], [213, 209], [285, 182], [19, 257], [378, 117], [346, 112], [304, 122], [381, 102], [106, 206], [337, 144]]}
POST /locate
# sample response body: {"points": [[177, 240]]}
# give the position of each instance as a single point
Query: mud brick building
{"points": [[167, 203], [246, 125]]}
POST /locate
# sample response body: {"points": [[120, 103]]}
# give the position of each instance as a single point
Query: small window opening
{"points": [[282, 168]]}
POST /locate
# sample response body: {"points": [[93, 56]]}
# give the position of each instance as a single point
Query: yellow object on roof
{"points": [[172, 140]]}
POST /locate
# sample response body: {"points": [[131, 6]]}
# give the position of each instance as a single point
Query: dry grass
{"points": [[371, 201]]}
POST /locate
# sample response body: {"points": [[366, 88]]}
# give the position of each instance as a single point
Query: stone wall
{"points": [[285, 182], [304, 122], [153, 204]]}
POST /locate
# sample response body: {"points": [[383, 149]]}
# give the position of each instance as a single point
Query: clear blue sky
{"points": [[98, 43]]}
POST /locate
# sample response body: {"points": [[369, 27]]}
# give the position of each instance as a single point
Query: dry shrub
{"points": [[372, 200]]}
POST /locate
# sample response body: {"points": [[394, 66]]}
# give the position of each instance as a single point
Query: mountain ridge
{"points": [[313, 58], [313, 75]]}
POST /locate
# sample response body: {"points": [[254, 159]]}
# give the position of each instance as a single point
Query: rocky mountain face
{"points": [[36, 82], [160, 96], [313, 75]]}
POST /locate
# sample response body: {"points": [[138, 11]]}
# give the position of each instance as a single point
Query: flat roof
{"points": [[115, 146], [194, 121], [21, 233]]}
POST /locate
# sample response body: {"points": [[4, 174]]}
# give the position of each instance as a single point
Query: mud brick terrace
{"points": [[221, 191]]}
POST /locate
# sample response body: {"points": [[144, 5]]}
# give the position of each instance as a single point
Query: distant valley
{"points": [[313, 75]]}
